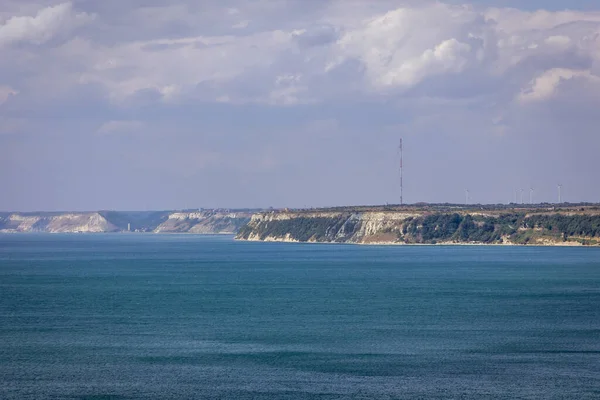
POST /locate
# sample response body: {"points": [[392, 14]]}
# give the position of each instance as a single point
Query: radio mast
{"points": [[401, 177]]}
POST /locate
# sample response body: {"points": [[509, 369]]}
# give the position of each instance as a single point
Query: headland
{"points": [[441, 224]]}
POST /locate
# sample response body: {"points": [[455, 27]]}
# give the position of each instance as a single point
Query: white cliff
{"points": [[203, 222], [58, 223]]}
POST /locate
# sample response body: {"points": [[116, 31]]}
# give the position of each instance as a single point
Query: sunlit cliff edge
{"points": [[200, 222], [569, 225]]}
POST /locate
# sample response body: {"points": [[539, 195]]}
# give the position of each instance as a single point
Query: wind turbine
{"points": [[522, 190], [530, 195], [559, 193], [466, 196]]}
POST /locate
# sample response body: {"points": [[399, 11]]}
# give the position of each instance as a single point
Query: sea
{"points": [[142, 316]]}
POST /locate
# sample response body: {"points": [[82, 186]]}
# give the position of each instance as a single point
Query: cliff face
{"points": [[426, 227], [336, 227], [201, 222], [63, 223], [204, 222]]}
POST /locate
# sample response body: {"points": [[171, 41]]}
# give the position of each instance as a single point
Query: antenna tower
{"points": [[401, 177]]}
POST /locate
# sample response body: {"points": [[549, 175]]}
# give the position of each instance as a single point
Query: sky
{"points": [[153, 105]]}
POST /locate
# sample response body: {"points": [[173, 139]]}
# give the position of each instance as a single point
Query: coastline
{"points": [[430, 226], [446, 244]]}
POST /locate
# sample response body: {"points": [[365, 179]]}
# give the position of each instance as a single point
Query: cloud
{"points": [[512, 21], [558, 40], [385, 52], [46, 24], [317, 35], [172, 66], [398, 49], [546, 85]]}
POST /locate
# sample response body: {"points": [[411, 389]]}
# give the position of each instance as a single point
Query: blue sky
{"points": [[284, 103]]}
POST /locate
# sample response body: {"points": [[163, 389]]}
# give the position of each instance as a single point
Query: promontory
{"points": [[544, 224]]}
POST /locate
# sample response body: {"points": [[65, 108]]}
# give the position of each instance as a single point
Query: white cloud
{"points": [[397, 49], [376, 50], [171, 66], [42, 27], [558, 40], [448, 56], [400, 49], [546, 85], [514, 21]]}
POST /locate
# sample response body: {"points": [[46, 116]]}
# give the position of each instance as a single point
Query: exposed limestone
{"points": [[358, 227], [199, 222], [62, 223], [207, 222]]}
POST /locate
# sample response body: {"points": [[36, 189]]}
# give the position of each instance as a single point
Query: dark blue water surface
{"points": [[144, 316]]}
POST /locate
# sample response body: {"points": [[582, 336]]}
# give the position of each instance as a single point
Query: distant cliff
{"points": [[201, 222], [55, 223], [539, 226], [206, 222]]}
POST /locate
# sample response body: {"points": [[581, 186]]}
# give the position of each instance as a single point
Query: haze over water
{"points": [[156, 316]]}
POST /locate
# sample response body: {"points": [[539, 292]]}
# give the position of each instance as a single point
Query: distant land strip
{"points": [[446, 224], [217, 221]]}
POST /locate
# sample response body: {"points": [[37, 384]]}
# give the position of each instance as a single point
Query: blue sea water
{"points": [[157, 316]]}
